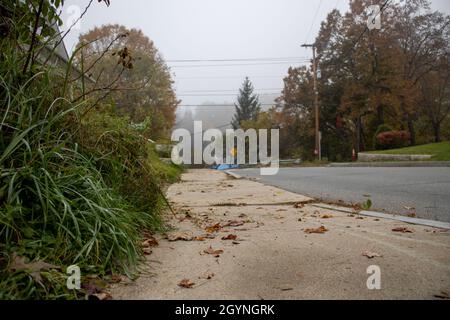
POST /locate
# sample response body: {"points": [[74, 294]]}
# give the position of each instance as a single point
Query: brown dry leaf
{"points": [[211, 251], [299, 205], [117, 278], [327, 216], [186, 283], [147, 251], [102, 296], [233, 223], [357, 207], [230, 237], [443, 295], [402, 230], [214, 228], [199, 238], [179, 236], [150, 242], [370, 254], [35, 268], [94, 286], [319, 230], [207, 276]]}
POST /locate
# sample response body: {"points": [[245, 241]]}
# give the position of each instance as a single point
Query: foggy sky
{"points": [[219, 29]]}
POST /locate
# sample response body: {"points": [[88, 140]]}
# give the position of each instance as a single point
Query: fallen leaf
{"points": [[233, 223], [299, 205], [179, 236], [402, 230], [94, 286], [371, 255], [211, 251], [236, 242], [147, 251], [199, 238], [357, 208], [327, 216], [150, 242], [230, 237], [320, 230], [35, 268], [443, 295], [186, 283], [207, 276], [214, 228], [102, 296]]}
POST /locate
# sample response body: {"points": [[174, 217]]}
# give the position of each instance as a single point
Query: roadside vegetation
{"points": [[439, 151], [378, 89], [80, 182]]}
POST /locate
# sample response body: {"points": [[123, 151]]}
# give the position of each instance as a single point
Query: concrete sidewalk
{"points": [[274, 257]]}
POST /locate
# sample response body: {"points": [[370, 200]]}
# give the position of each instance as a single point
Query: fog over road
{"points": [[391, 190]]}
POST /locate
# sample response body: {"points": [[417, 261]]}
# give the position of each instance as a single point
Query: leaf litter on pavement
{"points": [[320, 230], [371, 255], [186, 283]]}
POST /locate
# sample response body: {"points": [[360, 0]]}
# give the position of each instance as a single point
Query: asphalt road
{"points": [[393, 190]]}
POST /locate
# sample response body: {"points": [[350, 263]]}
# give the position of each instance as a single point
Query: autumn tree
{"points": [[368, 79], [128, 62], [248, 106], [295, 110], [435, 97]]}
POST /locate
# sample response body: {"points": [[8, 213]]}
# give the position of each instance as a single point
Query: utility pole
{"points": [[318, 150]]}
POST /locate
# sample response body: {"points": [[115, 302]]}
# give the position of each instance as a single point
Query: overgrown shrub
{"points": [[393, 140], [381, 129], [75, 187]]}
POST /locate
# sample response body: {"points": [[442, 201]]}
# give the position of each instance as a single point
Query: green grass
{"points": [[439, 151], [73, 190]]}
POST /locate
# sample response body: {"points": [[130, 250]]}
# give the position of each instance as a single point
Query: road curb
{"points": [[234, 175], [374, 214], [417, 164]]}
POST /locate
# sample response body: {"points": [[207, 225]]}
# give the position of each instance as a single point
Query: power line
{"points": [[225, 77], [223, 95], [202, 91], [313, 21], [218, 105], [238, 59], [237, 65]]}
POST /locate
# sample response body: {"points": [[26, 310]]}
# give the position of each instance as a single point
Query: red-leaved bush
{"points": [[392, 140]]}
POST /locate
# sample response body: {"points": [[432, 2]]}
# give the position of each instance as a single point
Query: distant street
{"points": [[394, 190]]}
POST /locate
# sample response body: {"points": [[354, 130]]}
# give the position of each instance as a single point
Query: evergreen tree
{"points": [[248, 106]]}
